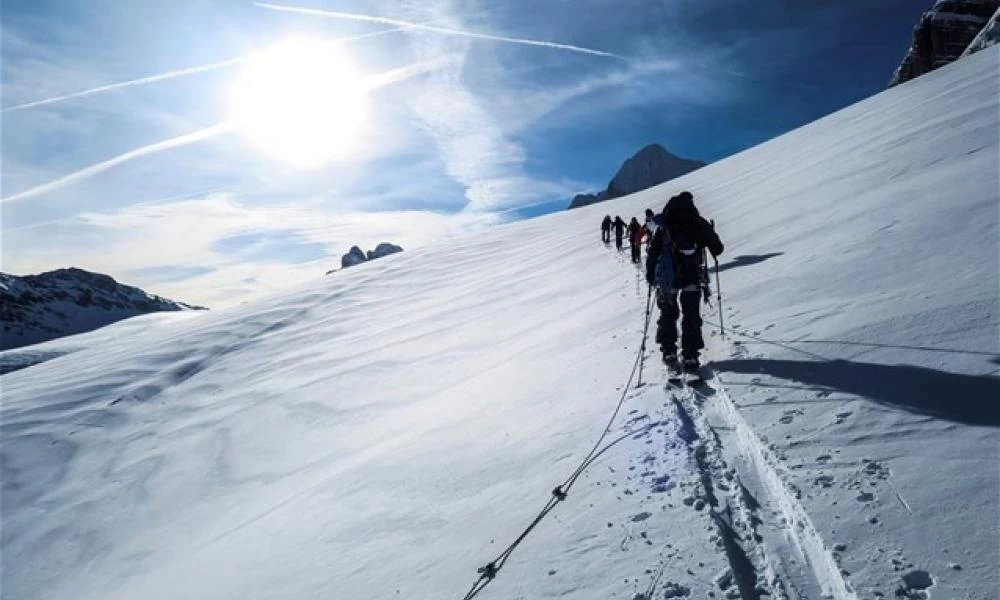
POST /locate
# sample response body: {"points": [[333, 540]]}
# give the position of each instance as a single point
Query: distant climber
{"points": [[606, 229], [675, 264], [619, 231], [650, 226], [635, 234]]}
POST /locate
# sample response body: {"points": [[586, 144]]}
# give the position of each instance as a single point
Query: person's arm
{"points": [[711, 239]]}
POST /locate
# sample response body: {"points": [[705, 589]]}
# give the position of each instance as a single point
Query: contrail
{"points": [[131, 82], [88, 172], [372, 82], [181, 73], [402, 73], [457, 32]]}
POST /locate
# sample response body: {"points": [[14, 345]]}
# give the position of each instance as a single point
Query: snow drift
{"points": [[383, 433]]}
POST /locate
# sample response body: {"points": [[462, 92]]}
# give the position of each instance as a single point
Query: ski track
{"points": [[796, 522]]}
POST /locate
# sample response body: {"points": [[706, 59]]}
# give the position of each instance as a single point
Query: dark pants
{"points": [[618, 241], [636, 251], [606, 236], [666, 327]]}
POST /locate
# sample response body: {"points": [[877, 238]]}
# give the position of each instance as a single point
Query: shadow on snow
{"points": [[970, 399], [746, 260]]}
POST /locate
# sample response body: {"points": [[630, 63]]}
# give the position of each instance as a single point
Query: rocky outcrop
{"points": [[651, 166], [989, 36], [943, 35], [383, 249], [355, 256], [38, 308]]}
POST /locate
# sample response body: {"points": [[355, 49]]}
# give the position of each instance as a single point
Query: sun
{"points": [[301, 101]]}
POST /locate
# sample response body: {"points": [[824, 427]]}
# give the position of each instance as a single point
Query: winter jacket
{"points": [[665, 266], [619, 227], [636, 233]]}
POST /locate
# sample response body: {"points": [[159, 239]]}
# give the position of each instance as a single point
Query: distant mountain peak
{"points": [[42, 307], [651, 165]]}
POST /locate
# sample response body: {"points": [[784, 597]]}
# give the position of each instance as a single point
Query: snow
{"points": [[383, 432], [20, 358]]}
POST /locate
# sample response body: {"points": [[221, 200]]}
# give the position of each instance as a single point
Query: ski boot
{"points": [[692, 371]]}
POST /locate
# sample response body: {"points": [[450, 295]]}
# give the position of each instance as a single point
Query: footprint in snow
{"points": [[865, 497], [915, 585], [789, 415], [824, 481]]}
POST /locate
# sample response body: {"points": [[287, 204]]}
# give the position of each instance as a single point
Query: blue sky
{"points": [[474, 133]]}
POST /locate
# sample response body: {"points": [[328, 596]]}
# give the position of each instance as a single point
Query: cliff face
{"points": [[989, 36], [650, 166], [943, 35]]}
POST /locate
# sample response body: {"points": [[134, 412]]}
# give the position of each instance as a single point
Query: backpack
{"points": [[681, 263], [687, 257]]}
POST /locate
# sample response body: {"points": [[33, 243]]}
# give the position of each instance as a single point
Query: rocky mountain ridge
{"points": [[651, 166], [38, 308]]}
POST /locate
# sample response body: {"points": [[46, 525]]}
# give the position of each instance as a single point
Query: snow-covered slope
{"points": [[383, 433], [36, 308], [118, 332]]}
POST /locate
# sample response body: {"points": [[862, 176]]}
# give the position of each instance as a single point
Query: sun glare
{"points": [[301, 101]]}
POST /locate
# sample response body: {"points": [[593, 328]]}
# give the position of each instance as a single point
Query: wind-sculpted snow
{"points": [[385, 432]]}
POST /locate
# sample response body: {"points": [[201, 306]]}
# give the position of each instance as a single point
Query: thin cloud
{"points": [[130, 83], [374, 82], [88, 172], [132, 242], [224, 64], [423, 27]]}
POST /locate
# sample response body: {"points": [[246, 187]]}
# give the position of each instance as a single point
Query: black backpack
{"points": [[687, 255]]}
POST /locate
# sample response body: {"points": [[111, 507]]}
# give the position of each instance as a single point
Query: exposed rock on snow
{"points": [[943, 35], [650, 166], [383, 249], [356, 256], [37, 308]]}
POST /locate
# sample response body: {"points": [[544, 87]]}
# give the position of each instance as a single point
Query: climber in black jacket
{"points": [[675, 264]]}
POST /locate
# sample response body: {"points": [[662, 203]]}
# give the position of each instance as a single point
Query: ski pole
{"points": [[645, 334], [718, 292]]}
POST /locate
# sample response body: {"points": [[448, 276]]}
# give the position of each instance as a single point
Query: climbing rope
{"points": [[489, 571]]}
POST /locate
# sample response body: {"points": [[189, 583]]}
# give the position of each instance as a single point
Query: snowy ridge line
{"points": [[800, 527], [489, 571]]}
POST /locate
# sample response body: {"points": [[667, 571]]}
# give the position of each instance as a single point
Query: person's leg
{"points": [[691, 340], [666, 326]]}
